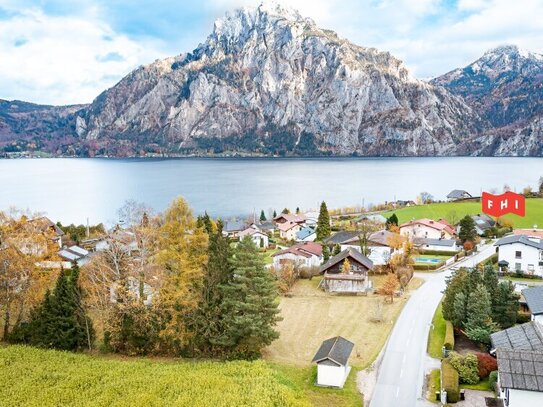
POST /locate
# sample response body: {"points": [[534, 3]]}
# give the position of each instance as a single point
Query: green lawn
{"points": [[483, 385], [436, 338], [433, 385], [267, 255], [454, 211], [43, 378]]}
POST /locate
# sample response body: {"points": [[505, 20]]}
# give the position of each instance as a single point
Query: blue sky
{"points": [[61, 52]]}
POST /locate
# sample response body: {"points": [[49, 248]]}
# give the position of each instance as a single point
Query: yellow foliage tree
{"points": [[389, 287], [346, 266]]}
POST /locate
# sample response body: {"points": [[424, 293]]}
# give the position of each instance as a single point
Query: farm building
{"points": [[332, 360]]}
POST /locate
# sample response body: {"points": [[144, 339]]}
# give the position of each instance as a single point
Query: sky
{"points": [[68, 52]]}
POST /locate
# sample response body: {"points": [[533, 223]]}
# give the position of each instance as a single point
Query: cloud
{"points": [[65, 59]]}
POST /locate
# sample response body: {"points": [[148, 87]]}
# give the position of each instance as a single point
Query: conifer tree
{"points": [[455, 284], [505, 305], [392, 220], [325, 254], [249, 308], [323, 223], [479, 324], [467, 229], [274, 214], [337, 250], [262, 216]]}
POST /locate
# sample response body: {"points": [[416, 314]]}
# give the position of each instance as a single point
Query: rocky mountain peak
{"points": [[507, 58]]}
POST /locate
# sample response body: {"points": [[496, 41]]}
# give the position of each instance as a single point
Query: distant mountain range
{"points": [[268, 81]]}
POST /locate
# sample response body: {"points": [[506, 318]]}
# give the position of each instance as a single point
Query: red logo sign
{"points": [[498, 205]]}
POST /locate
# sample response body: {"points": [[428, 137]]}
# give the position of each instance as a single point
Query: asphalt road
{"points": [[401, 373]]}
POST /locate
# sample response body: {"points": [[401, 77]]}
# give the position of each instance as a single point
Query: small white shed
{"points": [[332, 360]]}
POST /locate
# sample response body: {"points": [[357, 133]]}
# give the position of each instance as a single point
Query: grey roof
{"points": [[520, 369], [483, 221], [266, 225], [457, 193], [349, 252], [520, 239], [527, 336], [234, 226], [341, 237], [337, 349], [534, 299], [436, 242]]}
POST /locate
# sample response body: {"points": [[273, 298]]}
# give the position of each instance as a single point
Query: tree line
{"points": [[167, 284]]}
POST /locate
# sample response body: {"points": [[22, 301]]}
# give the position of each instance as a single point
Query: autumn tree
{"points": [[250, 310], [346, 268], [323, 223], [389, 287], [182, 254]]}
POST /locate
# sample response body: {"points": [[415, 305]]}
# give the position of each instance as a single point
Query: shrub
{"points": [[486, 364], [449, 336], [466, 366], [523, 317], [493, 379], [449, 378]]}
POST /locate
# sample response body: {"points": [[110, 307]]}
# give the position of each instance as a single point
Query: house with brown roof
{"points": [[290, 217], [428, 229], [378, 245], [354, 280], [304, 254], [288, 230], [259, 238]]}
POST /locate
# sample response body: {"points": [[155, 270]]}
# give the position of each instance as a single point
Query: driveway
{"points": [[400, 377]]}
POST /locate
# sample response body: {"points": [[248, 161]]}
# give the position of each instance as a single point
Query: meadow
{"points": [[454, 211]]}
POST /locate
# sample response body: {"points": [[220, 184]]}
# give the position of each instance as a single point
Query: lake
{"points": [[74, 189]]}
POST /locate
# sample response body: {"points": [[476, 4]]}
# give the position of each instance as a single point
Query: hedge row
{"points": [[427, 267], [449, 336], [449, 381], [437, 252]]}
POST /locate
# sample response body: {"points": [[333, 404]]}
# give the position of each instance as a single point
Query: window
{"points": [[541, 255], [531, 268], [518, 266], [518, 255]]}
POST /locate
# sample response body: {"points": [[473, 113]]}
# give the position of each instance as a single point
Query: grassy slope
{"points": [[34, 377], [436, 338], [454, 211]]}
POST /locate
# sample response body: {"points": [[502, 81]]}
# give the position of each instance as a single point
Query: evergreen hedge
{"points": [[449, 381], [449, 336]]}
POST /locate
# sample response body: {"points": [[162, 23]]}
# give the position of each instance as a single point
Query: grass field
{"points": [[311, 316], [436, 338], [433, 385], [454, 211], [43, 378]]}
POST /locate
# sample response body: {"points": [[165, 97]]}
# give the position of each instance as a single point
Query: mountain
{"points": [[505, 87], [268, 81]]}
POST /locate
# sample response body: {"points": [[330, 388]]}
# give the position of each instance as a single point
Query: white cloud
{"points": [[64, 60]]}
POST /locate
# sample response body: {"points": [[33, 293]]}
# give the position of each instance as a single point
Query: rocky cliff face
{"points": [[505, 87], [269, 81]]}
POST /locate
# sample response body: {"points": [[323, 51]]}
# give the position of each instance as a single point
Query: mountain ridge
{"points": [[268, 81]]}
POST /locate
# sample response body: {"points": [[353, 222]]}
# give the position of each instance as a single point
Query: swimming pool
{"points": [[426, 260]]}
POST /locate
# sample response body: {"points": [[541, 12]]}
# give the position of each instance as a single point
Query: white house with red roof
{"points": [[288, 230], [304, 254], [428, 229]]}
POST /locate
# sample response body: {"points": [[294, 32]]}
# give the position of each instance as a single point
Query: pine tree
{"points": [[479, 324], [249, 308], [325, 254], [392, 220], [505, 305], [297, 210], [467, 229], [323, 223], [208, 319], [274, 214], [337, 250], [491, 281], [285, 211], [455, 284], [262, 216]]}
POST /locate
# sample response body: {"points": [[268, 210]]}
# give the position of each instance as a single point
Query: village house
{"points": [[233, 227], [288, 230], [332, 360], [521, 253], [458, 194], [301, 255], [524, 336], [373, 218], [311, 218], [289, 217], [378, 244], [342, 237], [520, 377], [483, 223], [438, 245], [533, 297], [354, 280], [74, 254], [259, 238], [306, 234], [133, 287], [428, 228]]}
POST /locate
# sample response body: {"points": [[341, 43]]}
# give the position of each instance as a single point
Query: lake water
{"points": [[71, 190]]}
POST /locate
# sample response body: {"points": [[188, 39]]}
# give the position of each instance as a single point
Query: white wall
{"points": [[530, 256], [332, 375], [419, 230], [452, 249], [538, 318], [524, 398], [300, 261]]}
